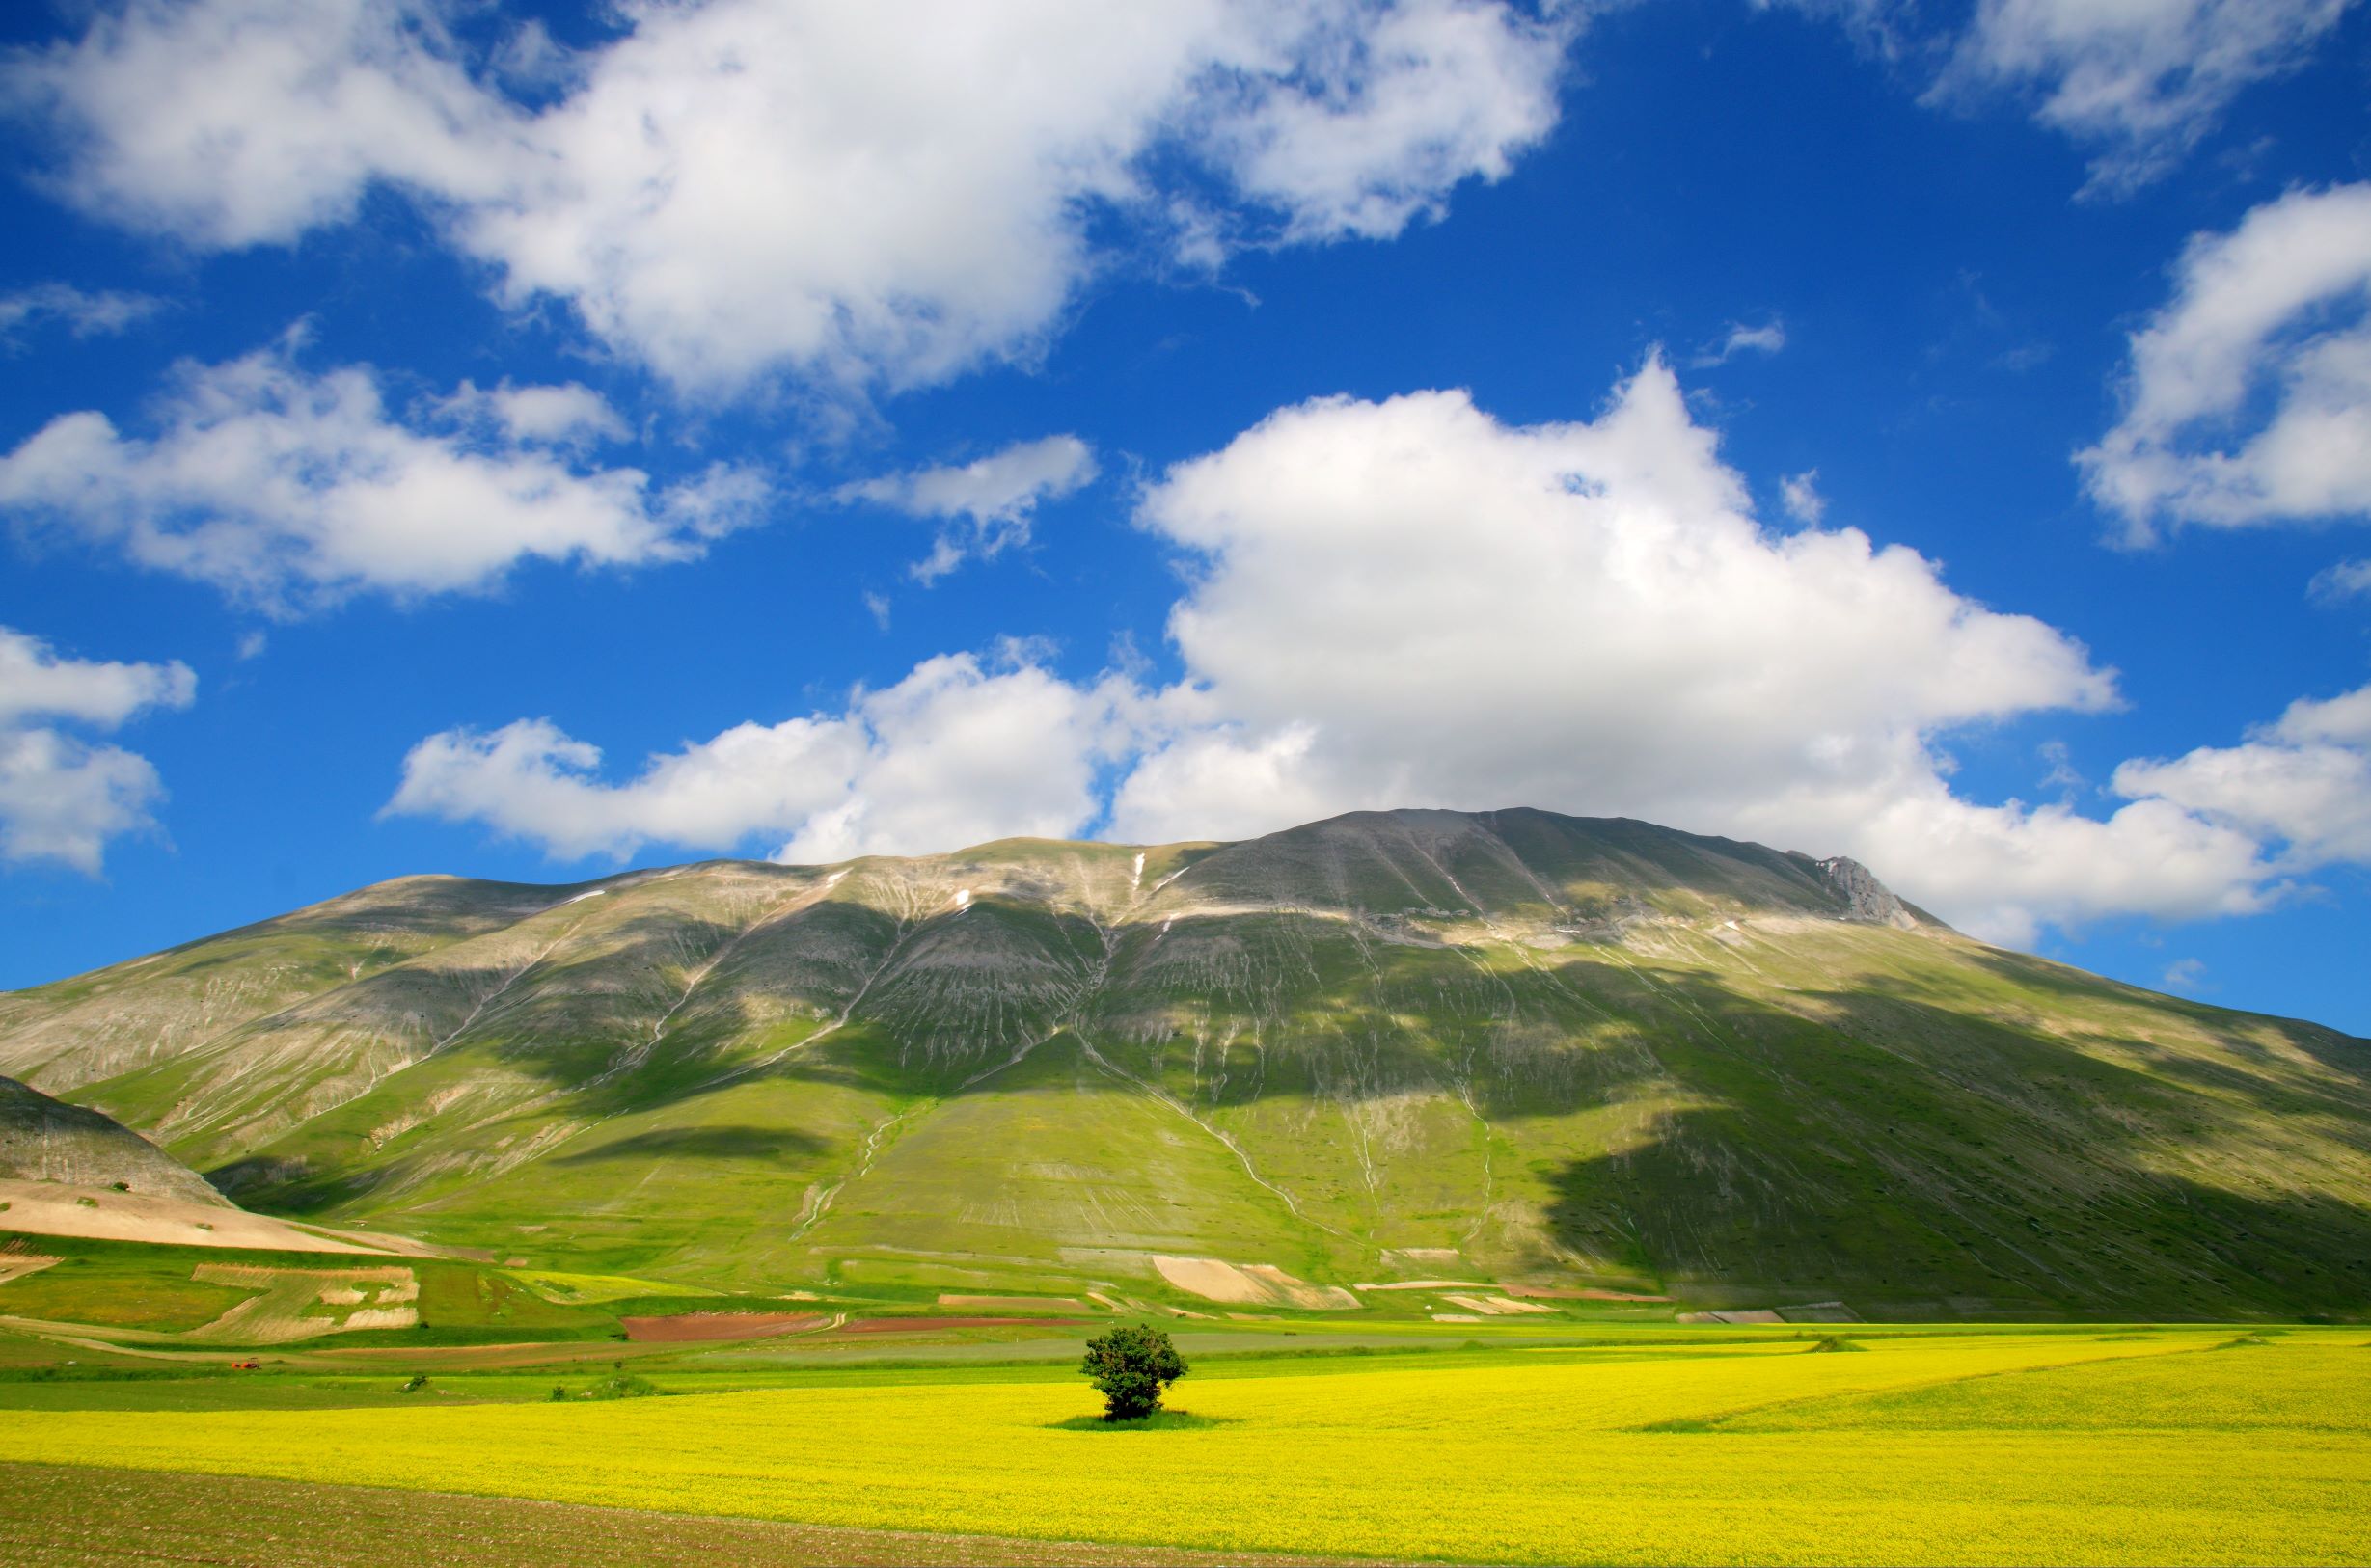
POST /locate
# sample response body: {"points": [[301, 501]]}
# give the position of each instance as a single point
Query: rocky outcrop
{"points": [[1864, 897]]}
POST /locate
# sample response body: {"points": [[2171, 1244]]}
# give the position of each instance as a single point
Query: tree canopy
{"points": [[1130, 1365]]}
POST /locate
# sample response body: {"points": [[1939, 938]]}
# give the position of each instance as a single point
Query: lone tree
{"points": [[1131, 1365]]}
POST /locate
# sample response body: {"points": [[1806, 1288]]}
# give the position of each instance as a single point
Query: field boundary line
{"points": [[1672, 1427]]}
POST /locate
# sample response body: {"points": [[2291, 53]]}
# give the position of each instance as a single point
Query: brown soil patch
{"points": [[53, 1209], [528, 1353], [925, 1325], [1496, 1306], [1253, 1284], [1543, 1293], [1023, 1304], [14, 1265], [58, 1515], [688, 1327], [288, 1307]]}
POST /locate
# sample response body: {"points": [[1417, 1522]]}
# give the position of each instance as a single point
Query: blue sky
{"points": [[1940, 435]]}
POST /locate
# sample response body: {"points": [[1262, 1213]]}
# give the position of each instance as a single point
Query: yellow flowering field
{"points": [[2169, 1447]]}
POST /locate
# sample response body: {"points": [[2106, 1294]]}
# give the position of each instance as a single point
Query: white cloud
{"points": [[987, 501], [2269, 316], [859, 195], [230, 123], [1767, 338], [1399, 104], [1409, 602], [62, 798], [2186, 975], [568, 414], [289, 490], [36, 683], [957, 752], [2348, 580], [2303, 782], [2063, 774], [2140, 80], [86, 313], [1799, 493]]}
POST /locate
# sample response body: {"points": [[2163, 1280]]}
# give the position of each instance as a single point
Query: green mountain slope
{"points": [[1501, 1045]]}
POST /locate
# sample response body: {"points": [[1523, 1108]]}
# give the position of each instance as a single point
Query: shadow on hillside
{"points": [[718, 1143], [1896, 1150], [1890, 1142], [2333, 1065]]}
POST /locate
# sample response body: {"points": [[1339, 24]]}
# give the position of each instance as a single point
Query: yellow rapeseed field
{"points": [[1994, 1448]]}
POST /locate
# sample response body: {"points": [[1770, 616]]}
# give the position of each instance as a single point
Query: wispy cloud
{"points": [[1799, 493], [84, 312], [2348, 580], [985, 506], [1767, 338]]}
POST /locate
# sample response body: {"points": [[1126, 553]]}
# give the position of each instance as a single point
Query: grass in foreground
{"points": [[1971, 1448]]}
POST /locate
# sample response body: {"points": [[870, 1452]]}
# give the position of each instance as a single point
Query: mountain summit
{"points": [[1596, 1055]]}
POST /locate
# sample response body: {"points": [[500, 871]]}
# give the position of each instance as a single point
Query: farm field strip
{"points": [[1968, 1449], [58, 1515]]}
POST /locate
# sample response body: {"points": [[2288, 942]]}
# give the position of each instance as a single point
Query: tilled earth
{"points": [[54, 1515]]}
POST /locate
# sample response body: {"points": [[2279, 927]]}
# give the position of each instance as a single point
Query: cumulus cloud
{"points": [[289, 490], [987, 503], [2302, 783], [1411, 603], [2247, 398], [2141, 83], [1396, 105], [861, 195], [960, 751], [36, 683], [63, 797], [84, 312], [230, 123]]}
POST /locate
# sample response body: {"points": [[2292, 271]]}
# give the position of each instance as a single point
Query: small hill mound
{"points": [[48, 1140]]}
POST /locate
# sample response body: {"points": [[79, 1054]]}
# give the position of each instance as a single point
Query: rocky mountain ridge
{"points": [[1580, 1050]]}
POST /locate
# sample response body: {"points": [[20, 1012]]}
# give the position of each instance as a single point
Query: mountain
{"points": [[1587, 1054], [46, 1140]]}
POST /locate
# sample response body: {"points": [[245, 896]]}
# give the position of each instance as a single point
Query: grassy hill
{"points": [[1516, 1046]]}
